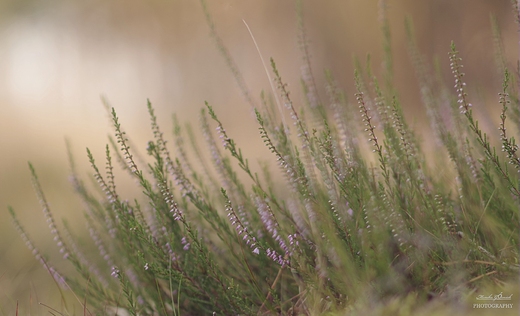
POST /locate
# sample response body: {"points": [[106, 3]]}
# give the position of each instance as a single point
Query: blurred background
{"points": [[57, 58]]}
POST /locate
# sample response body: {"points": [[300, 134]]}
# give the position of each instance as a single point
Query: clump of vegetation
{"points": [[345, 228]]}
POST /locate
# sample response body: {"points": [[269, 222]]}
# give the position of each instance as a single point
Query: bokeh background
{"points": [[57, 58]]}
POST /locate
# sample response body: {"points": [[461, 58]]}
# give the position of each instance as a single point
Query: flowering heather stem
{"points": [[227, 57], [307, 146], [241, 228], [123, 142], [57, 277], [111, 196], [473, 124], [217, 158], [460, 85], [48, 215], [271, 224], [508, 144], [370, 128], [306, 70]]}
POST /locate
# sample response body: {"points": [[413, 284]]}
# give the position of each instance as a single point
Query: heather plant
{"points": [[359, 216]]}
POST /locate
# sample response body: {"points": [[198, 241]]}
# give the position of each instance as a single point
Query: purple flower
{"points": [[186, 244], [115, 272]]}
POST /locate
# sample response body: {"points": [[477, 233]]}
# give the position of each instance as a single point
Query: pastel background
{"points": [[57, 58]]}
